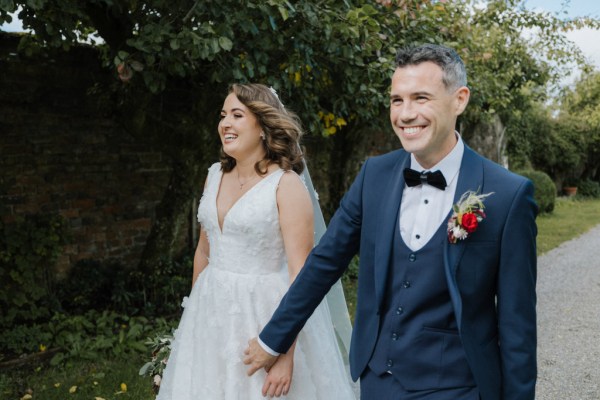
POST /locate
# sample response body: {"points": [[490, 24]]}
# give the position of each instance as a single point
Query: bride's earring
{"points": [[262, 135]]}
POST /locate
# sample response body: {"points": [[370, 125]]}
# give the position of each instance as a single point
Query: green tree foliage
{"points": [[581, 105], [556, 146], [326, 56], [514, 56], [563, 140]]}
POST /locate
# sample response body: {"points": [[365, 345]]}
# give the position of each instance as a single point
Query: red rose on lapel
{"points": [[469, 222], [467, 215]]}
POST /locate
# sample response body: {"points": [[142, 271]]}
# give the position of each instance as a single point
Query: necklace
{"points": [[247, 180]]}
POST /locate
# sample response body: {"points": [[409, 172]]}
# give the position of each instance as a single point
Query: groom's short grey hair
{"points": [[455, 74]]}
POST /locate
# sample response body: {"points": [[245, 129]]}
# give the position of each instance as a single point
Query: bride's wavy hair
{"points": [[281, 127]]}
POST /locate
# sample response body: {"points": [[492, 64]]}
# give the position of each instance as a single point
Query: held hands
{"points": [[257, 358], [279, 369], [279, 378]]}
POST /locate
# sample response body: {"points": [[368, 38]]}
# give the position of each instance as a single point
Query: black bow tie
{"points": [[415, 178]]}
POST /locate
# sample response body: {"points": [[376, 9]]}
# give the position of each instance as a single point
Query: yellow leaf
{"points": [[57, 385], [99, 398], [27, 397], [123, 387], [331, 130], [72, 389], [42, 348], [297, 77], [340, 122]]}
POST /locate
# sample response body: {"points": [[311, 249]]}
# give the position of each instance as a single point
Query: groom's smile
{"points": [[423, 111]]}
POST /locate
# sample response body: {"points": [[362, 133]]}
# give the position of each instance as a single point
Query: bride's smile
{"points": [[240, 130]]}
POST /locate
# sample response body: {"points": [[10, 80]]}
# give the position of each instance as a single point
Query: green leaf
{"points": [[214, 44], [284, 13], [272, 22], [136, 66], [57, 359], [225, 43], [7, 5]]}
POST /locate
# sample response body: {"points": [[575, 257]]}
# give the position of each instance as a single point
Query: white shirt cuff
{"points": [[267, 348]]}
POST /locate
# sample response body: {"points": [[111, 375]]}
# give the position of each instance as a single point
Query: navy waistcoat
{"points": [[418, 340]]}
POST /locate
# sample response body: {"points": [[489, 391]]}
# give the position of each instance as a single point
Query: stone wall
{"points": [[62, 153]]}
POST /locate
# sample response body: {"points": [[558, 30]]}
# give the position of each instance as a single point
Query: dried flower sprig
{"points": [[467, 215]]}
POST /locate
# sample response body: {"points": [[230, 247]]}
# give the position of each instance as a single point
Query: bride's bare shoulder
{"points": [[290, 179]]}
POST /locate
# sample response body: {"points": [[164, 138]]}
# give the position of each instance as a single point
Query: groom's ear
{"points": [[461, 99]]}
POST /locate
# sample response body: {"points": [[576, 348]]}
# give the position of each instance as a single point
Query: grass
{"points": [[96, 380], [102, 379], [570, 218]]}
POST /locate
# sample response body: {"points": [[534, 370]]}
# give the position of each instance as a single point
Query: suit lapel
{"points": [[470, 178], [388, 218]]}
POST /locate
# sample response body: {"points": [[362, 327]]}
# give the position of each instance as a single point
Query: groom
{"points": [[440, 315]]}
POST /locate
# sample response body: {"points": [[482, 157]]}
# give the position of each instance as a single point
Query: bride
{"points": [[257, 230]]}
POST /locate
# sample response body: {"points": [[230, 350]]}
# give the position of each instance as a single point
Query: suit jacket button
{"points": [[412, 257], [394, 336], [406, 284], [399, 310], [390, 363]]}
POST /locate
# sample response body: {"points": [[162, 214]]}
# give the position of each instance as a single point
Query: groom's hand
{"points": [[257, 357]]}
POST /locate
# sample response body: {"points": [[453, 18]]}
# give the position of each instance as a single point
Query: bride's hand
{"points": [[279, 377]]}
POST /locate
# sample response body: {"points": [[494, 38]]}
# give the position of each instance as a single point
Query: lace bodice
{"points": [[251, 240]]}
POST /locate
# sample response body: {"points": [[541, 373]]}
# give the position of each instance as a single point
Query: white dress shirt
{"points": [[424, 207]]}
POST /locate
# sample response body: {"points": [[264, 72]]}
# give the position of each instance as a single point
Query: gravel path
{"points": [[569, 320]]}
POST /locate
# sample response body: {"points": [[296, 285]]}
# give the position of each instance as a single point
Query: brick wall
{"points": [[62, 153]]}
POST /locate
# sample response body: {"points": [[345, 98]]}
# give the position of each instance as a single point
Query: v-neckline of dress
{"points": [[222, 225]]}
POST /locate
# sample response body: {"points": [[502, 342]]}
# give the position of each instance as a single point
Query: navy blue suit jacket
{"points": [[491, 274]]}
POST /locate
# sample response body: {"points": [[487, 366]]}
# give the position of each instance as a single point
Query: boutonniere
{"points": [[467, 215]]}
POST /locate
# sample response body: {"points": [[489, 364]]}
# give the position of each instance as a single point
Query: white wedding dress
{"points": [[234, 297]]}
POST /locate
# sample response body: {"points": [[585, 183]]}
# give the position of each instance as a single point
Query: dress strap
{"points": [[214, 172]]}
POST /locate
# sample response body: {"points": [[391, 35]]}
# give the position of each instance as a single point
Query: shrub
{"points": [[90, 336], [96, 335], [29, 248], [23, 339], [88, 286], [164, 286], [545, 190], [588, 188], [95, 285]]}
